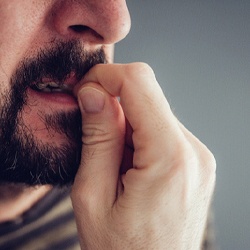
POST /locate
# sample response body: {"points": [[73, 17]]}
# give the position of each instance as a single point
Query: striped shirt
{"points": [[50, 225]]}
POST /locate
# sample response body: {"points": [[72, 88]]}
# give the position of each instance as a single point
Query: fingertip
{"points": [[91, 100]]}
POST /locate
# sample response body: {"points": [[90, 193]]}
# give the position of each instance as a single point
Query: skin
{"points": [[28, 26], [144, 182]]}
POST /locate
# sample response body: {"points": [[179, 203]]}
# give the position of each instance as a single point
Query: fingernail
{"points": [[91, 100]]}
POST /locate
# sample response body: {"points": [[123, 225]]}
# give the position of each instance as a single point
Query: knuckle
{"points": [[206, 168], [82, 198], [194, 172], [209, 167], [210, 159], [93, 135], [188, 159], [76, 192], [182, 162], [206, 163], [184, 152], [138, 69]]}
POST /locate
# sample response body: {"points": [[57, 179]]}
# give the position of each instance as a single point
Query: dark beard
{"points": [[23, 159]]}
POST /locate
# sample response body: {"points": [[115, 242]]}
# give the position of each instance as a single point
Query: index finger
{"points": [[144, 106]]}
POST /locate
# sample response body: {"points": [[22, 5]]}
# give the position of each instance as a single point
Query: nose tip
{"points": [[117, 24], [94, 21]]}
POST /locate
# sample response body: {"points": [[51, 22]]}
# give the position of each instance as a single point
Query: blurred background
{"points": [[200, 52]]}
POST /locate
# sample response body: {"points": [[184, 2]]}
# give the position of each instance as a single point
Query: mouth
{"points": [[53, 87], [48, 90]]}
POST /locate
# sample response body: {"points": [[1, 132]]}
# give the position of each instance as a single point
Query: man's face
{"points": [[46, 47]]}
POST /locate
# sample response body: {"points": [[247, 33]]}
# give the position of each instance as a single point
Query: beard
{"points": [[23, 158]]}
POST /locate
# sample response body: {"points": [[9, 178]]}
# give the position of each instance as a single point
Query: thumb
{"points": [[103, 130]]}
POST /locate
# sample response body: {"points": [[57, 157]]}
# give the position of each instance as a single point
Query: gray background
{"points": [[200, 52]]}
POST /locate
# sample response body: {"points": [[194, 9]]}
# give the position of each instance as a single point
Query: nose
{"points": [[94, 21]]}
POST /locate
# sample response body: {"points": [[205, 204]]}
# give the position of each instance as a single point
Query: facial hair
{"points": [[24, 159]]}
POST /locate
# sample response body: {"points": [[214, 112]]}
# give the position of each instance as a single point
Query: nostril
{"points": [[83, 29], [79, 28]]}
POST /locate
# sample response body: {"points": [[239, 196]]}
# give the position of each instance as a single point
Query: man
{"points": [[140, 179]]}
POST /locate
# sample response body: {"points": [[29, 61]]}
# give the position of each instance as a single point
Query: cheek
{"points": [[21, 22], [4, 87], [32, 122], [13, 39]]}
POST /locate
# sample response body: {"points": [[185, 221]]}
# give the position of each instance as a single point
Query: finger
{"points": [[145, 107], [103, 129], [207, 170]]}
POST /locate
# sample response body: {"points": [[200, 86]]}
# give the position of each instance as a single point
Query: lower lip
{"points": [[53, 98]]}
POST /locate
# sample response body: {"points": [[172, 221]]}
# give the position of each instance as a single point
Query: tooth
{"points": [[41, 85], [53, 84], [47, 90], [67, 87], [50, 87]]}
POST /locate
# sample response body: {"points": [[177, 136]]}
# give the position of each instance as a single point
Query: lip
{"points": [[54, 99]]}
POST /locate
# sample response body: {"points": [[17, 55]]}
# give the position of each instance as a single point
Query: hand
{"points": [[144, 182]]}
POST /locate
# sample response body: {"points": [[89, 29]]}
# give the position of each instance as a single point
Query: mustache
{"points": [[57, 64], [23, 158]]}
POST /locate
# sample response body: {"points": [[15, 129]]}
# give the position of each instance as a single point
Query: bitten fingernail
{"points": [[91, 100]]}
